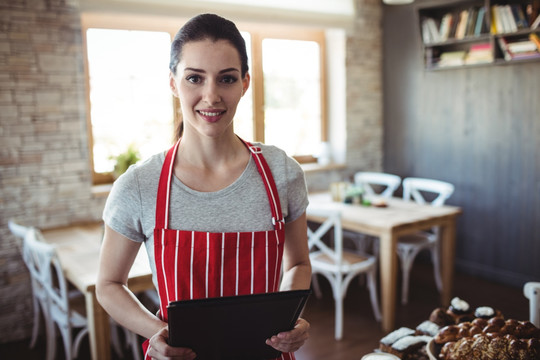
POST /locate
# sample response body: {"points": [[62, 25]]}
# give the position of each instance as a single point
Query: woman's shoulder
{"points": [[141, 172]]}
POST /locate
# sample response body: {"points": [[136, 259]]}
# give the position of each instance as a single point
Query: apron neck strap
{"points": [[166, 176]]}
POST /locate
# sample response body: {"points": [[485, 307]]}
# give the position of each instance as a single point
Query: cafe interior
{"points": [[424, 183]]}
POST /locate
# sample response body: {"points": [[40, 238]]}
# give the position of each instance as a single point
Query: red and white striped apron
{"points": [[196, 264]]}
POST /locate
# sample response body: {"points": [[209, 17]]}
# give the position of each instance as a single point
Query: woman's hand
{"points": [[159, 349], [290, 341]]}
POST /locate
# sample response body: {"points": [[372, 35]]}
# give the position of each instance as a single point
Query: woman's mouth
{"points": [[210, 115]]}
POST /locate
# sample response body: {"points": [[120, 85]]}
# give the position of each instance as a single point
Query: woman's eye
{"points": [[229, 79], [194, 79]]}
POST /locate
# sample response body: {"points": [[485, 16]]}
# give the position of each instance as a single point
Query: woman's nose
{"points": [[211, 93]]}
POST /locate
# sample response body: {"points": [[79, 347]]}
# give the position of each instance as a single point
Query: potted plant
{"points": [[125, 160]]}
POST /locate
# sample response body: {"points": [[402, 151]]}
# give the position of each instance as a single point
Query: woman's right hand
{"points": [[159, 348]]}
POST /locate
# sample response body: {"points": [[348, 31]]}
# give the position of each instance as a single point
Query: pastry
{"points": [[460, 311], [427, 328], [405, 347], [440, 317], [386, 342]]}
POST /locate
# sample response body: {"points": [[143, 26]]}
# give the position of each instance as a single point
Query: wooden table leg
{"points": [[388, 274], [447, 259], [98, 328]]}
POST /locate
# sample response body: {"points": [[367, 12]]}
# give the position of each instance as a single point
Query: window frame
{"points": [[170, 25]]}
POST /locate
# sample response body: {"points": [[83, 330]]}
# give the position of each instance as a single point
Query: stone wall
{"points": [[45, 177]]}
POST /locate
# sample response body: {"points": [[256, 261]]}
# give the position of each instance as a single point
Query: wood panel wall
{"points": [[478, 128]]}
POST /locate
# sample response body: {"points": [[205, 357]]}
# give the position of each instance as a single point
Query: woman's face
{"points": [[209, 85]]}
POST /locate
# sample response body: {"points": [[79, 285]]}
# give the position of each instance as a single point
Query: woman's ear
{"points": [[245, 83], [172, 84]]}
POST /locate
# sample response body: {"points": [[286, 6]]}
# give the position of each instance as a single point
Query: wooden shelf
{"points": [[450, 41]]}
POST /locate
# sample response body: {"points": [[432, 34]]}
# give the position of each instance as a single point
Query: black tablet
{"points": [[234, 327]]}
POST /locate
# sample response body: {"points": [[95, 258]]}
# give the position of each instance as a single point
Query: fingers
{"points": [[291, 341], [160, 350]]}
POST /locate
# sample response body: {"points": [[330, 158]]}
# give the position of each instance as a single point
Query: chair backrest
{"points": [[331, 220], [531, 290], [46, 269], [18, 230], [417, 188], [366, 179]]}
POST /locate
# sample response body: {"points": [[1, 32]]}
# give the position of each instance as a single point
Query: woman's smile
{"points": [[211, 115]]}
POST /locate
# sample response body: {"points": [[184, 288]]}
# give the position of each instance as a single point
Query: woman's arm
{"points": [[116, 258], [296, 265], [296, 276]]}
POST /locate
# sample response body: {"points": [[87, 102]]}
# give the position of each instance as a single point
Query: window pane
{"points": [[130, 99], [243, 120], [292, 95]]}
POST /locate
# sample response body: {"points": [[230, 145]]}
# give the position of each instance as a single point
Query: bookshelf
{"points": [[469, 33]]}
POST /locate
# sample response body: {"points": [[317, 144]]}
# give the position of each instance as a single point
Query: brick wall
{"points": [[44, 166], [45, 176]]}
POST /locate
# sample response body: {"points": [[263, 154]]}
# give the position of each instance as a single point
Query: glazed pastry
{"points": [[487, 312], [407, 345], [460, 310], [386, 342], [427, 328]]}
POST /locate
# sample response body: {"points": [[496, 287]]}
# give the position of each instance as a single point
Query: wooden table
{"points": [[78, 248], [388, 224]]}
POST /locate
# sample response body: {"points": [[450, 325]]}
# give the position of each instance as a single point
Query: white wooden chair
{"points": [[373, 183], [408, 247], [377, 183], [531, 290], [39, 294], [62, 311], [338, 265], [48, 286]]}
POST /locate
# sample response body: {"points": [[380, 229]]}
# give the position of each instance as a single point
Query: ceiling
{"points": [[334, 13]]}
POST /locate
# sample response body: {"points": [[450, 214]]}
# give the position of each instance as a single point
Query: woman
{"points": [[213, 202]]}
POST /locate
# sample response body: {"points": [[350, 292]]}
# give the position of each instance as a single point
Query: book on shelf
{"points": [[536, 39], [446, 26], [519, 16], [479, 26], [479, 53], [452, 58], [536, 22], [462, 24], [509, 20], [430, 31], [519, 49]]}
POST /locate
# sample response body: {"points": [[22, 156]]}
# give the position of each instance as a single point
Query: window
{"points": [[130, 102]]}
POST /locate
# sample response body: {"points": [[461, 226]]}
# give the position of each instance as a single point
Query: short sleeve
{"points": [[297, 193], [122, 211]]}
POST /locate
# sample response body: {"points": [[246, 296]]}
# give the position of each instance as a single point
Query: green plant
{"points": [[125, 160]]}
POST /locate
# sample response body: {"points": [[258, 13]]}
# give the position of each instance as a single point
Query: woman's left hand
{"points": [[290, 341]]}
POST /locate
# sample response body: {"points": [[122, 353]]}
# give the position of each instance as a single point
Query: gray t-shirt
{"points": [[242, 206]]}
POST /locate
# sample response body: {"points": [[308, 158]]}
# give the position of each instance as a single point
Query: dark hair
{"points": [[208, 26]]}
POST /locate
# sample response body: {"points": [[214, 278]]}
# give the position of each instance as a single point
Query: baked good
{"points": [[407, 346], [427, 328], [440, 317], [486, 312], [498, 340], [460, 310], [386, 342]]}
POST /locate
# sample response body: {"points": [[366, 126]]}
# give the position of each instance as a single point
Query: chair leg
{"points": [[37, 321], [436, 267], [50, 334], [339, 317], [115, 339], [316, 287], [373, 295], [406, 256]]}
